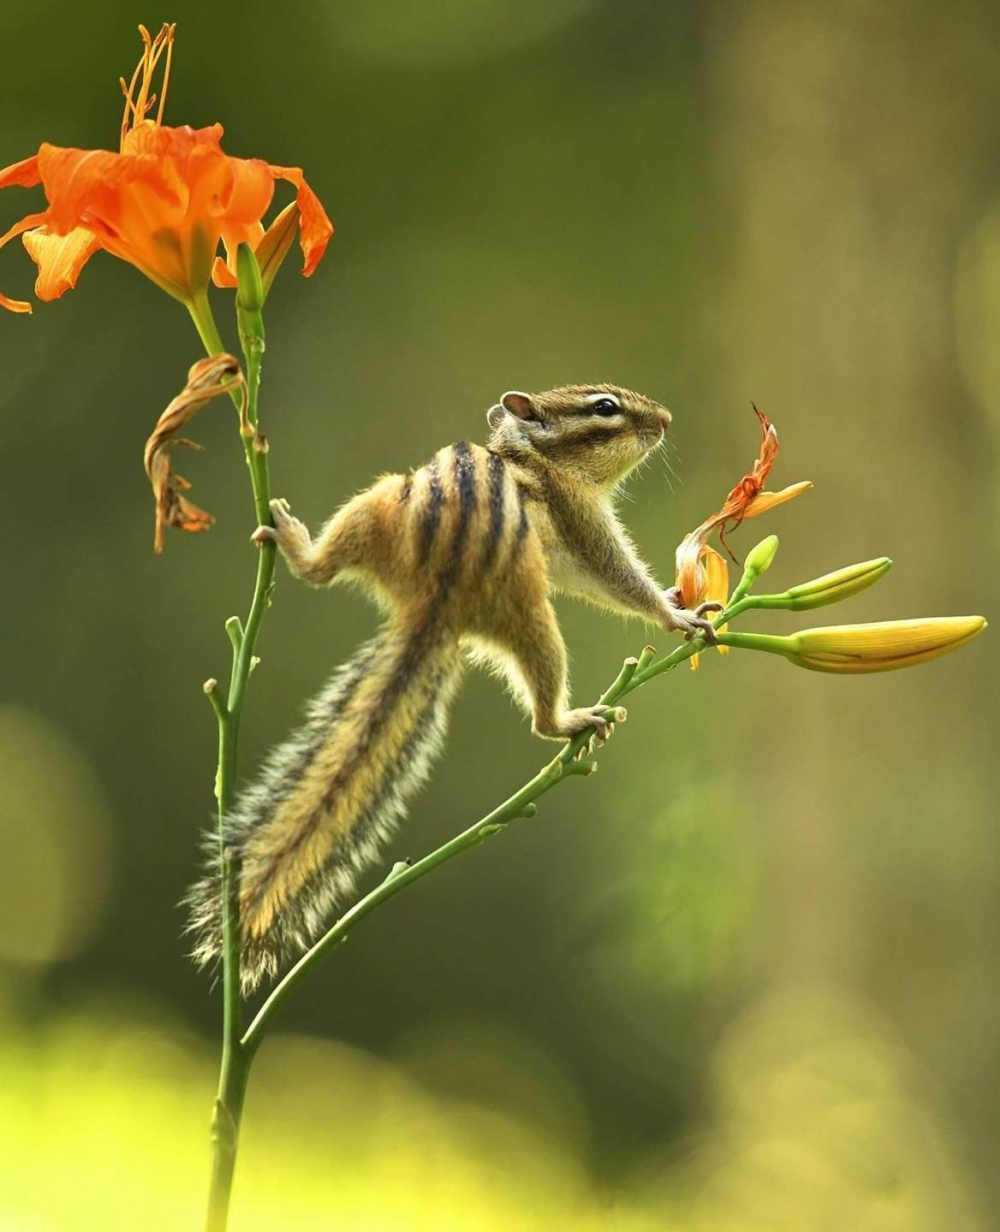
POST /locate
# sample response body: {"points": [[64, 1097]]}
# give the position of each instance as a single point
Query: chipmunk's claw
{"points": [[691, 622], [703, 627], [571, 722]]}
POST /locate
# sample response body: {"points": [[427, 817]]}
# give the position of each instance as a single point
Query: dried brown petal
{"points": [[207, 379]]}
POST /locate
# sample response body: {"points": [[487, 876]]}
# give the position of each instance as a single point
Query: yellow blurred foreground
{"points": [[814, 1120]]}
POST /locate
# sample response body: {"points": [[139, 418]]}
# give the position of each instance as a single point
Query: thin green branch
{"points": [[234, 631]]}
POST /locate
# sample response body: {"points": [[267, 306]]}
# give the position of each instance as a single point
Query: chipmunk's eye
{"points": [[606, 406]]}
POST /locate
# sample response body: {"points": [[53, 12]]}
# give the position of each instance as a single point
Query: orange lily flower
{"points": [[162, 203], [702, 573]]}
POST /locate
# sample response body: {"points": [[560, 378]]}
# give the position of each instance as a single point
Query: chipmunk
{"points": [[464, 554]]}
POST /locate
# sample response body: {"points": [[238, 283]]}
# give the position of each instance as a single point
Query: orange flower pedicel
{"points": [[162, 203]]}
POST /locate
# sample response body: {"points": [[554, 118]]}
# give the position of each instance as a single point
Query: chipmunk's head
{"points": [[596, 432]]}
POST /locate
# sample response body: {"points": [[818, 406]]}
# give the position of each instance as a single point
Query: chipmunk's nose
{"points": [[664, 416]]}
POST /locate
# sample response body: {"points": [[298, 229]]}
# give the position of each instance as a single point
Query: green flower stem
{"points": [[768, 642], [570, 762], [234, 1067]]}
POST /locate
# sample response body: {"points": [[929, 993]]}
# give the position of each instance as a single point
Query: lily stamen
{"points": [[137, 108], [166, 77]]}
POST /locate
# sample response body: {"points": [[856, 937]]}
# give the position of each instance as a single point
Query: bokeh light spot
{"points": [[53, 843]]}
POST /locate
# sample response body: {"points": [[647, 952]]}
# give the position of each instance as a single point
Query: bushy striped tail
{"points": [[327, 798]]}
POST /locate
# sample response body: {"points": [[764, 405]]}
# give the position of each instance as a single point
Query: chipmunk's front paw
{"points": [[286, 528]]}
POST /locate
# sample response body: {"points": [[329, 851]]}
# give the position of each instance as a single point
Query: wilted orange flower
{"points": [[702, 573], [162, 203], [207, 379]]}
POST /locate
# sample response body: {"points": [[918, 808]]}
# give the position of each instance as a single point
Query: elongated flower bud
{"points": [[273, 248], [880, 647], [830, 588], [249, 288]]}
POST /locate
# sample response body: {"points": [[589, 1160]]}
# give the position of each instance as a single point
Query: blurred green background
{"points": [[746, 978]]}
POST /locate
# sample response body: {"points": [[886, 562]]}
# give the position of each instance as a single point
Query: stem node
{"points": [[234, 631], [211, 690]]}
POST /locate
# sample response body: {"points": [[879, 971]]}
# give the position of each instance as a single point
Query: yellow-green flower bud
{"points": [[880, 647], [831, 587], [250, 289], [758, 561], [760, 558]]}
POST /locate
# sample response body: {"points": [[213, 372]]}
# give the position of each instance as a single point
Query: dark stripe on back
{"points": [[432, 514], [522, 504], [465, 480], [407, 488], [496, 495], [465, 484]]}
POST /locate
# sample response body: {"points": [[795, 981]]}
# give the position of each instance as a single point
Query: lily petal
{"points": [[715, 588], [716, 575], [32, 220], [59, 258], [14, 305], [315, 228], [716, 583], [764, 501], [222, 276], [23, 174]]}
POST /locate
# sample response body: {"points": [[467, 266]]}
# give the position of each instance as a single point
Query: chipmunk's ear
{"points": [[521, 405]]}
